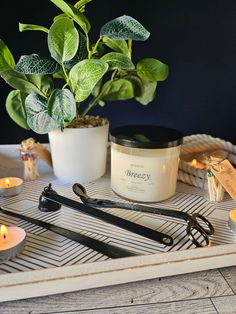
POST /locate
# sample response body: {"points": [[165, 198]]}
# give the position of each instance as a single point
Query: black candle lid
{"points": [[146, 136]]}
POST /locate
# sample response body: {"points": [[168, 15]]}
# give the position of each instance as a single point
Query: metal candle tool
{"points": [[198, 227], [99, 246], [49, 196]]}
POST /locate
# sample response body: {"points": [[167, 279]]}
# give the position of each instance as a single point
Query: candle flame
{"points": [[194, 162], [3, 231], [7, 181]]}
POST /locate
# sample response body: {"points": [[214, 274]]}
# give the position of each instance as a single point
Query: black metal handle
{"points": [[99, 246], [197, 225], [112, 219], [203, 223]]}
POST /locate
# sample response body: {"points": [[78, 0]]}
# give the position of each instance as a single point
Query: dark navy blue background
{"points": [[196, 38]]}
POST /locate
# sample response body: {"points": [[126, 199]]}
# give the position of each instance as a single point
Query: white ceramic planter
{"points": [[79, 155]]}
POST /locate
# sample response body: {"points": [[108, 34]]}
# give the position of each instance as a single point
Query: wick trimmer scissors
{"points": [[49, 198], [198, 226]]}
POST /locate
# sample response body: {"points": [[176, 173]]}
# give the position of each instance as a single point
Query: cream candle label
{"points": [[147, 176], [133, 174]]}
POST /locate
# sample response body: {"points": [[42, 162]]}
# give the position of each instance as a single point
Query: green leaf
{"points": [[117, 45], [73, 13], [149, 93], [124, 27], [97, 88], [34, 64], [82, 53], [118, 60], [38, 118], [58, 76], [57, 17], [28, 83], [101, 103], [63, 40], [62, 106], [15, 105], [32, 27], [81, 3], [120, 89], [137, 84], [6, 59], [152, 70], [85, 75], [82, 50]]}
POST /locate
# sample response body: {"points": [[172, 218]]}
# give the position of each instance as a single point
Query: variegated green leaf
{"points": [[152, 70], [73, 13], [28, 83], [15, 105], [82, 53], [148, 94], [120, 89], [6, 59], [34, 64], [63, 40], [85, 75], [38, 118], [118, 60], [32, 27], [125, 27], [117, 45], [62, 106]]}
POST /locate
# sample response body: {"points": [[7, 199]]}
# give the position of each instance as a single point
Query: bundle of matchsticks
{"points": [[30, 151], [215, 188]]}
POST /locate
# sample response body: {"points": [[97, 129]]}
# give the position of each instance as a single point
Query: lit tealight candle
{"points": [[232, 220], [12, 242], [196, 164], [10, 186]]}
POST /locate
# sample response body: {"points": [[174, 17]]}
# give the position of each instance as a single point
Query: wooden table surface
{"points": [[211, 291]]}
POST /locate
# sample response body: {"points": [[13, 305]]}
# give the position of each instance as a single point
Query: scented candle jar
{"points": [[144, 162]]}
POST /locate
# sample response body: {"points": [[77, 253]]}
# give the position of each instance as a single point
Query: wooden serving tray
{"points": [[52, 264]]}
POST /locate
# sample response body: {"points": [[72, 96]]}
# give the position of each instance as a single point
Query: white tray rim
{"points": [[44, 282]]}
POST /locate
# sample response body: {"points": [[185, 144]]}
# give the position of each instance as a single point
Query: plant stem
{"points": [[66, 76], [64, 86], [77, 108], [130, 47], [87, 45], [96, 45], [95, 100]]}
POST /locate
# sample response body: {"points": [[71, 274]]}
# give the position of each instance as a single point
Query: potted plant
{"points": [[92, 74]]}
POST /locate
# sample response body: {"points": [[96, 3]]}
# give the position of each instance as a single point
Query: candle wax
{"points": [[7, 183], [232, 215], [10, 186], [196, 164], [14, 236]]}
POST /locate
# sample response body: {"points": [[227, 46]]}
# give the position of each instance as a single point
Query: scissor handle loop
{"points": [[193, 234], [209, 230]]}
